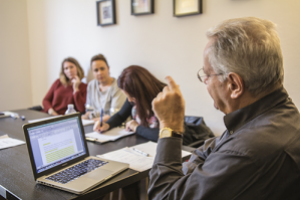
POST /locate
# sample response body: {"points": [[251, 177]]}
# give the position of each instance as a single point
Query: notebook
{"points": [[60, 158]]}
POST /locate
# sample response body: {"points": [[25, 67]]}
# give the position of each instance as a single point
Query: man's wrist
{"points": [[167, 132], [176, 127]]}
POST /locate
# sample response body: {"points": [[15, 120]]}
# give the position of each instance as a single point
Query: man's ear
{"points": [[236, 85]]}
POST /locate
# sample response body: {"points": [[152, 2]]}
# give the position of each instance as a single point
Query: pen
{"points": [[101, 118], [140, 152], [15, 115]]}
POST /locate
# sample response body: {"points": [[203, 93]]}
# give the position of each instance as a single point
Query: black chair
{"points": [[37, 108]]}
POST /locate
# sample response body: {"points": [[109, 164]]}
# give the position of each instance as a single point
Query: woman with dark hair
{"points": [[68, 89], [103, 92], [140, 87]]}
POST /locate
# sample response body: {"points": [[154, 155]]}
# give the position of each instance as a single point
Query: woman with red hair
{"points": [[140, 87]]}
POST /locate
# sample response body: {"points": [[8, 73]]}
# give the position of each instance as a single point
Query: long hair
{"points": [[139, 83], [63, 78]]}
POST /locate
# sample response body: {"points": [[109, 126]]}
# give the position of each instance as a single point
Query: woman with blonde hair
{"points": [[68, 89]]}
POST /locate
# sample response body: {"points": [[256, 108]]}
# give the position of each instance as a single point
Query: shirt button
{"points": [[231, 132]]}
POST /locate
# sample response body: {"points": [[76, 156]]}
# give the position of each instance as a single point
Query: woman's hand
{"points": [[51, 111], [96, 119], [131, 125], [76, 82], [102, 128], [86, 115]]}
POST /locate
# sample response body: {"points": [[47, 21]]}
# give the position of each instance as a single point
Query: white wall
{"points": [[164, 44], [15, 84]]}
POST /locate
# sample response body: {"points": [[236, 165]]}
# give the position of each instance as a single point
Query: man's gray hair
{"points": [[249, 47]]}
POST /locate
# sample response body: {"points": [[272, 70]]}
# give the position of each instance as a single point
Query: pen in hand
{"points": [[101, 119]]}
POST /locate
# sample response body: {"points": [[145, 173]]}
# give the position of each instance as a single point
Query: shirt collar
{"points": [[236, 119]]}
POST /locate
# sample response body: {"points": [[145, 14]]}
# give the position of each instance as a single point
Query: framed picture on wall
{"points": [[106, 12], [142, 7], [187, 7]]}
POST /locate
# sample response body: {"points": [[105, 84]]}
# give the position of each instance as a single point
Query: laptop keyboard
{"points": [[76, 171]]}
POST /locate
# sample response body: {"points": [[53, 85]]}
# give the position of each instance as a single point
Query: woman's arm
{"points": [[47, 101], [118, 98], [80, 98], [148, 133], [121, 116]]}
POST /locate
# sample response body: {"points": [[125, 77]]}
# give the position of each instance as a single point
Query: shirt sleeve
{"points": [[88, 94], [47, 101], [223, 175], [199, 155], [118, 98], [118, 118], [80, 98]]}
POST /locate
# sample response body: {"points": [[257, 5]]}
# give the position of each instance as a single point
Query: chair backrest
{"points": [[196, 131], [37, 108]]}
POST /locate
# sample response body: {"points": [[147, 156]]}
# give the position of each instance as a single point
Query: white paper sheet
{"points": [[86, 122], [107, 136], [9, 114], [6, 142], [135, 160]]}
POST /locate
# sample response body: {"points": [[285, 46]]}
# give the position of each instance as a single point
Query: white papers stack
{"points": [[6, 142], [107, 136], [136, 160], [8, 114]]}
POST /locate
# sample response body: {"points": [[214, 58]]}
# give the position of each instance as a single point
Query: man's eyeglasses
{"points": [[201, 75]]}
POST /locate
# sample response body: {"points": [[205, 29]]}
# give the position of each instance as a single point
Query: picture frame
{"points": [[187, 7], [106, 12], [142, 7]]}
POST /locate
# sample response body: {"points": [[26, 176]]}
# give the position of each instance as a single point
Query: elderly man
{"points": [[258, 156]]}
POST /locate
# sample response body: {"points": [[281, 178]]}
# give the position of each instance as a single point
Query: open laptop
{"points": [[60, 158]]}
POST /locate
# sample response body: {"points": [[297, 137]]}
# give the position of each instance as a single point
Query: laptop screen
{"points": [[55, 143]]}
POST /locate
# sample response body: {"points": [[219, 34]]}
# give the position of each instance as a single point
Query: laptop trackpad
{"points": [[98, 174]]}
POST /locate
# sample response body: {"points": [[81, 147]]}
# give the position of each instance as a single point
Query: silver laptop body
{"points": [[59, 155]]}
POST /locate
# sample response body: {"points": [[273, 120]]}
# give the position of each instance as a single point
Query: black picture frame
{"points": [[182, 8], [142, 7], [106, 12]]}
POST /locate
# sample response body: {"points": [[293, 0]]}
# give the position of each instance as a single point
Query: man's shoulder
{"points": [[266, 136]]}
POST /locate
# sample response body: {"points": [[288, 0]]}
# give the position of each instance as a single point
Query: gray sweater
{"points": [[113, 98]]}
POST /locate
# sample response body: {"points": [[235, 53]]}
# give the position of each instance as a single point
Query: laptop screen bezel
{"points": [[63, 165]]}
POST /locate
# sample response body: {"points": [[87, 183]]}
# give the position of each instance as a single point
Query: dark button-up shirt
{"points": [[257, 157]]}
